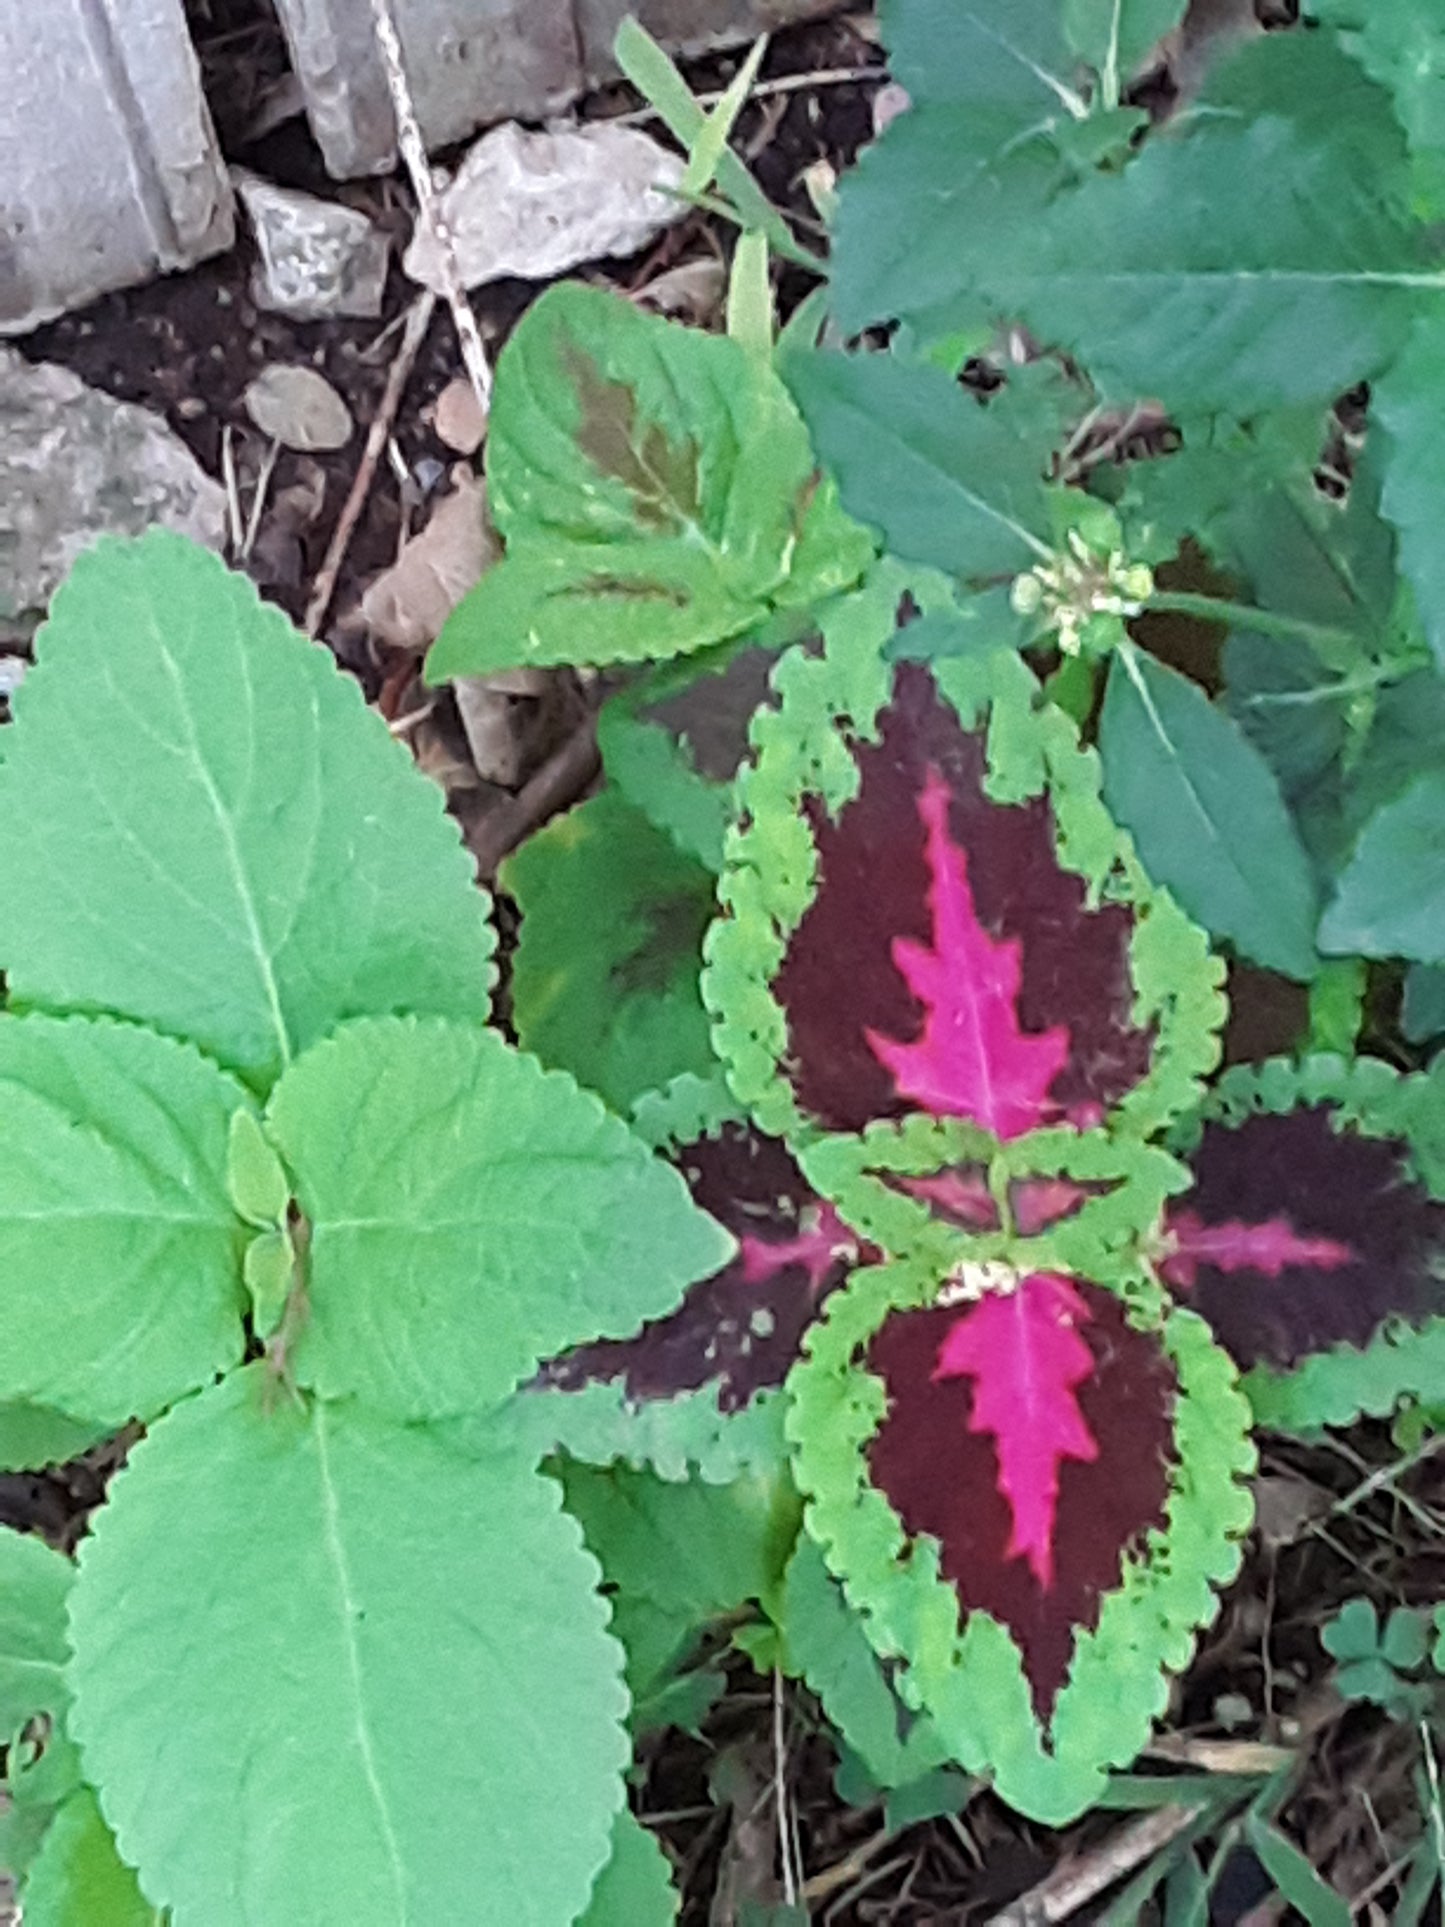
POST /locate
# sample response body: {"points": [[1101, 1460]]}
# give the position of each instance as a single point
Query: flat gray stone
{"points": [[74, 465], [684, 26], [475, 62], [535, 203], [109, 170], [314, 258], [469, 62]]}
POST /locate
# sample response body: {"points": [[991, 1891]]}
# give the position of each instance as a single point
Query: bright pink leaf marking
{"points": [[1268, 1248], [822, 1240], [972, 1060], [1024, 1353]]}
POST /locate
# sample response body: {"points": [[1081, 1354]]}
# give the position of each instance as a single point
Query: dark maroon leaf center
{"points": [[947, 963], [960, 1195], [741, 1328], [1299, 1237], [1031, 1434]]}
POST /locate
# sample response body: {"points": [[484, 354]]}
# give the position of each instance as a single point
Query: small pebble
{"points": [[298, 408]]}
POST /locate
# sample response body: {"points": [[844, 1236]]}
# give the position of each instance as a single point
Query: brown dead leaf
{"points": [[692, 292], [459, 418], [408, 603]]}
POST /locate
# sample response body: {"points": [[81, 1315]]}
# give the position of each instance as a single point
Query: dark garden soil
{"points": [[1335, 1518]]}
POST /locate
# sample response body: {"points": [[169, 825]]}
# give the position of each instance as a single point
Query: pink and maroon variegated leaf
{"points": [[1031, 1434], [738, 1332], [948, 964], [1303, 1234], [960, 1195]]}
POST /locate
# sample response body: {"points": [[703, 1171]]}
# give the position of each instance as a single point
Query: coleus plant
{"points": [[276, 1192], [945, 979]]}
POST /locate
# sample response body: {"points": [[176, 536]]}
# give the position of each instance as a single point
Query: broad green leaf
{"points": [[1407, 402], [1206, 813], [1391, 898], [328, 1670], [947, 480], [471, 1214], [1115, 35], [120, 1254], [78, 1879], [698, 1550], [35, 1435], [654, 486], [1162, 284], [34, 1582], [824, 1641], [605, 975], [635, 1888], [202, 827], [1424, 1009], [1402, 46]]}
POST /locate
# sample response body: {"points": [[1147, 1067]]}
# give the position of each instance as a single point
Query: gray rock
{"points": [[474, 62], [537, 204], [74, 464], [299, 408], [109, 170], [314, 258]]}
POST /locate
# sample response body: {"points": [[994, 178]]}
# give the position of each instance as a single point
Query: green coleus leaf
{"points": [[422, 1628], [1402, 47], [1028, 1484], [119, 1248], [1406, 402], [1206, 813], [655, 488], [1423, 1013], [470, 1214], [605, 975], [78, 1879], [635, 1888], [948, 481], [255, 1177], [34, 1584], [823, 1640], [1161, 284], [1391, 898], [202, 827]]}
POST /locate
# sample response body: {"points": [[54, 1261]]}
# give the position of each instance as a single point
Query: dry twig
{"points": [[418, 320], [1068, 1888], [428, 206]]}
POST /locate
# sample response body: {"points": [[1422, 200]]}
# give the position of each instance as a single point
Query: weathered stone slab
{"points": [[109, 170], [684, 26], [469, 62], [75, 464], [474, 62]]}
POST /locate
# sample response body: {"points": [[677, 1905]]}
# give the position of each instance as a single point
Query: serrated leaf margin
{"points": [[964, 1670]]}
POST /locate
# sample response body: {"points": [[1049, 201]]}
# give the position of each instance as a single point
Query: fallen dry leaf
{"points": [[408, 603], [459, 418], [298, 408], [692, 292]]}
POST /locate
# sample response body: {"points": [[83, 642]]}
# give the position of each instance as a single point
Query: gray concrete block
{"points": [[469, 62], [684, 26], [473, 62], [109, 170]]}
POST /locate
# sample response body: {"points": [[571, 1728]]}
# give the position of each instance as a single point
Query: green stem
{"points": [[1264, 622]]}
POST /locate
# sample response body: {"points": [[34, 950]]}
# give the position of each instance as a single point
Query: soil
{"points": [[187, 347]]}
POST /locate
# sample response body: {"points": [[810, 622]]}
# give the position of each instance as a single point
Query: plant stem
{"points": [[1264, 622]]}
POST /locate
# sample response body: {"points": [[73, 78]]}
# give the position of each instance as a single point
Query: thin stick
{"points": [[558, 783], [258, 499], [765, 89], [780, 1792], [418, 320], [428, 204], [1072, 1886]]}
